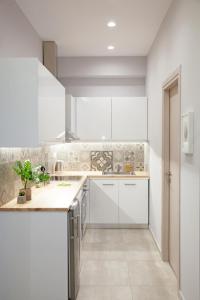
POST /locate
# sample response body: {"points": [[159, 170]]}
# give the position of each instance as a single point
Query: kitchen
{"points": [[81, 204]]}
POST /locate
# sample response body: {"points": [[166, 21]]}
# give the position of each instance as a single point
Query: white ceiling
{"points": [[79, 26]]}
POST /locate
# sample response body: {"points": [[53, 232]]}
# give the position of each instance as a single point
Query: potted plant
{"points": [[24, 170], [41, 176], [21, 199]]}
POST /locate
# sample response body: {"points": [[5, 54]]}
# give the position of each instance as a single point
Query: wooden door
{"points": [[174, 178]]}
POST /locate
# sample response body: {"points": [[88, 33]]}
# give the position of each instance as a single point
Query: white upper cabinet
{"points": [[129, 119], [93, 118], [32, 104], [117, 119]]}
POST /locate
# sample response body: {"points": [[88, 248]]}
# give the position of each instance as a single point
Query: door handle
{"points": [[130, 184], [108, 184]]}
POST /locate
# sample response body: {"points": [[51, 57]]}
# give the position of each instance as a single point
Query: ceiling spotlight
{"points": [[111, 24], [111, 47]]}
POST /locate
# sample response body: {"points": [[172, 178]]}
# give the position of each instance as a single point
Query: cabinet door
{"points": [[33, 110], [51, 108], [129, 119], [94, 118], [133, 202], [104, 202]]}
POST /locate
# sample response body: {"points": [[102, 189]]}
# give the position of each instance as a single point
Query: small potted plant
{"points": [[24, 170], [41, 176], [21, 199]]}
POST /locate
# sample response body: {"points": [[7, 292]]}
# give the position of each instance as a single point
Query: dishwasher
{"points": [[74, 249]]}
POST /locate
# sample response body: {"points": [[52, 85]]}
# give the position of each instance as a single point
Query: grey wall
{"points": [[103, 76], [17, 36], [178, 43]]}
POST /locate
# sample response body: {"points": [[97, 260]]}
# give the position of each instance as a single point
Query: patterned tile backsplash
{"points": [[76, 156], [101, 160], [100, 156]]}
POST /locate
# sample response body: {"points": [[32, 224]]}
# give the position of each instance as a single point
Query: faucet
{"points": [[118, 168]]}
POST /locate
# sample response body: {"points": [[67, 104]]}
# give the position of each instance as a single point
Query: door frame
{"points": [[172, 80]]}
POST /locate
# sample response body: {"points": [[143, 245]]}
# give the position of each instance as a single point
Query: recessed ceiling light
{"points": [[111, 24], [111, 47]]}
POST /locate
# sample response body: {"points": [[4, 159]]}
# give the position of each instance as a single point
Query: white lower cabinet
{"points": [[119, 202], [34, 255], [103, 202], [133, 202]]}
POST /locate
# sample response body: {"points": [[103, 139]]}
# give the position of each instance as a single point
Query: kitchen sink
{"points": [[117, 173]]}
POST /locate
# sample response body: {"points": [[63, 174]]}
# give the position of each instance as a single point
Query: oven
{"points": [[84, 208], [74, 249]]}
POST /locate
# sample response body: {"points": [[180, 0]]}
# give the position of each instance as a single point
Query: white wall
{"points": [[103, 76], [100, 87], [101, 67], [178, 43], [17, 36]]}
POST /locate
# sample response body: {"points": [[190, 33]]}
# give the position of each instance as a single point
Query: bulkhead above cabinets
{"points": [[108, 119], [32, 104]]}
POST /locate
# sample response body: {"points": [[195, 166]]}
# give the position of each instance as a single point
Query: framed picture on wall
{"points": [[188, 133]]}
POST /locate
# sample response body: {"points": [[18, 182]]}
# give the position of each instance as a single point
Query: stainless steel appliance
{"points": [[84, 208], [74, 249], [59, 165]]}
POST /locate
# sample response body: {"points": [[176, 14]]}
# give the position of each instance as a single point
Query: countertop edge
{"points": [[66, 209]]}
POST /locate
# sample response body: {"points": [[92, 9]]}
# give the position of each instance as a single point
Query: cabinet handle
{"points": [[130, 184], [74, 218], [108, 184]]}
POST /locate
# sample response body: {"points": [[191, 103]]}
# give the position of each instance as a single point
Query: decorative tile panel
{"points": [[101, 160]]}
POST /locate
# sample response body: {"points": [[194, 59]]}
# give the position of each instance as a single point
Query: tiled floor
{"points": [[124, 264]]}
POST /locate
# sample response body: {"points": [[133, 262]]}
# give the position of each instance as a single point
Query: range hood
{"points": [[70, 132]]}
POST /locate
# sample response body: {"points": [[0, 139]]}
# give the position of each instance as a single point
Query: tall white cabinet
{"points": [[129, 119], [32, 104], [93, 118]]}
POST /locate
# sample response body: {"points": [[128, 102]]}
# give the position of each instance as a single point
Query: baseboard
{"points": [[154, 238], [181, 296], [117, 226]]}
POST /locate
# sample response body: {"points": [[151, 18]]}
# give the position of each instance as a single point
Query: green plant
{"points": [[24, 170], [22, 193], [40, 175], [43, 177]]}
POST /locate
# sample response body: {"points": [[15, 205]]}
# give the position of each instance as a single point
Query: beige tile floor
{"points": [[124, 264]]}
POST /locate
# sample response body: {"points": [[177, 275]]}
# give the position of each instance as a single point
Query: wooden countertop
{"points": [[100, 175], [54, 197]]}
